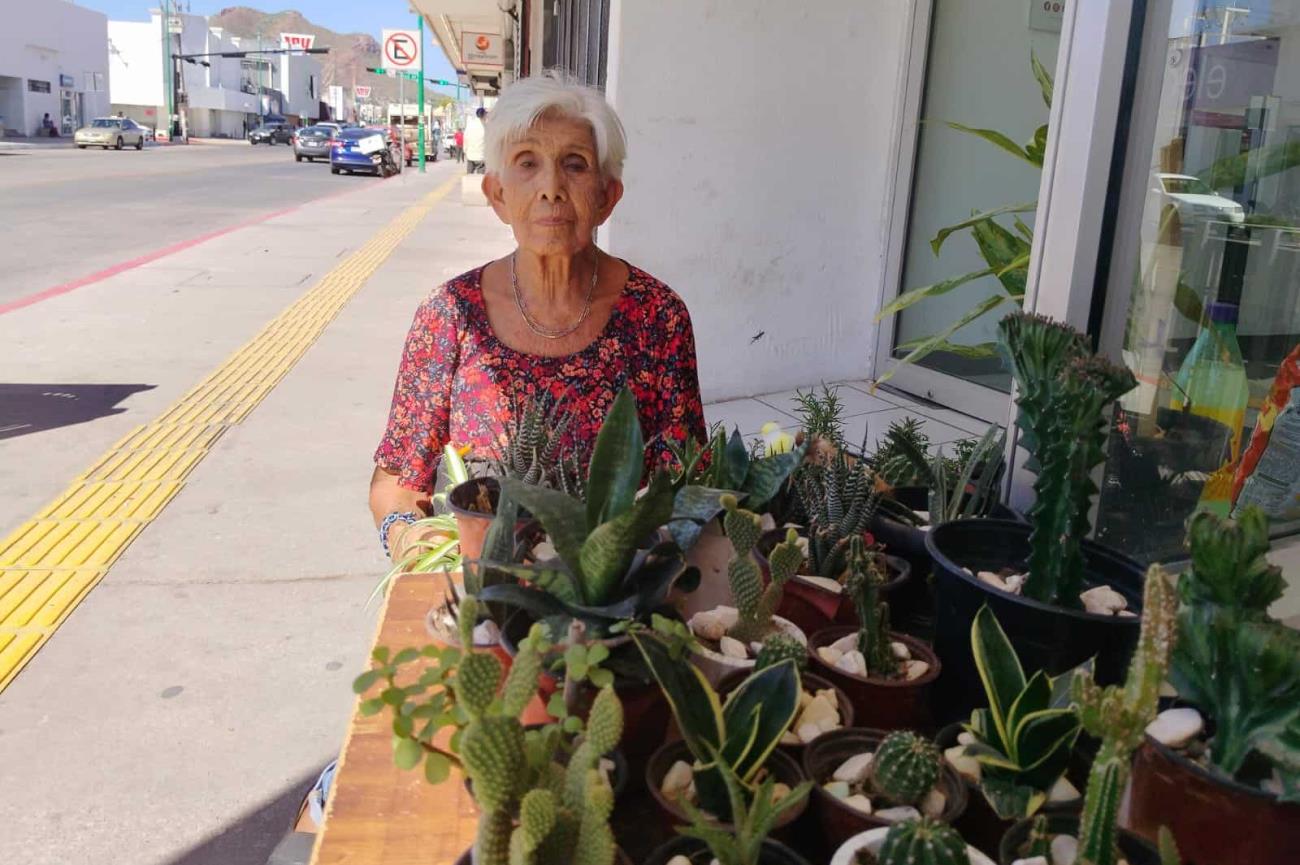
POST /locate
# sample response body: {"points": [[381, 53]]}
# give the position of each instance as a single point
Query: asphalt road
{"points": [[66, 213]]}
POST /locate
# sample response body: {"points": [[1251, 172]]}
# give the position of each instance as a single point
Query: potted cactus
{"points": [[1222, 769], [730, 637], [915, 842], [1060, 598], [1117, 715], [887, 675], [868, 778]]}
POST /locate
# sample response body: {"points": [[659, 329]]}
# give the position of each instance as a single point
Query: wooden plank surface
{"points": [[378, 814]]}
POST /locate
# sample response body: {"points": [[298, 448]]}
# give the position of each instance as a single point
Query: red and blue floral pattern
{"points": [[458, 383]]}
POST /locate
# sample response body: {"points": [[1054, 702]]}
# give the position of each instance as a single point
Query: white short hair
{"points": [[525, 101]]}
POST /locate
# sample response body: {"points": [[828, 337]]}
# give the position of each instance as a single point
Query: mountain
{"points": [[346, 62]]}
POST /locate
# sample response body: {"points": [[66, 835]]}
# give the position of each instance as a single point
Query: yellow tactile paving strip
{"points": [[48, 564]]}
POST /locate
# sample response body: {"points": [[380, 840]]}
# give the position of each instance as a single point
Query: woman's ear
{"points": [[613, 194], [495, 194]]}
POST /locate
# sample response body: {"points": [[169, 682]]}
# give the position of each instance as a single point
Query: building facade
{"points": [[53, 60]]}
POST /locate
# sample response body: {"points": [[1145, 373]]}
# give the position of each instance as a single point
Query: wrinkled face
{"points": [[549, 188]]}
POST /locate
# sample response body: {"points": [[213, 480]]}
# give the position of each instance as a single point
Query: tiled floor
{"points": [[865, 414]]}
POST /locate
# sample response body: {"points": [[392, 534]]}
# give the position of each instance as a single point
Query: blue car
{"points": [[367, 150]]}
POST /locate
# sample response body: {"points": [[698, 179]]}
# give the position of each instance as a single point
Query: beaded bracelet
{"points": [[408, 517]]}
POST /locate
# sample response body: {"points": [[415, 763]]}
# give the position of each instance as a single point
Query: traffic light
{"points": [[375, 70]]}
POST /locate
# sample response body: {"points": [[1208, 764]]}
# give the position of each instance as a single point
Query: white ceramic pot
{"points": [[711, 554], [715, 665], [872, 840]]}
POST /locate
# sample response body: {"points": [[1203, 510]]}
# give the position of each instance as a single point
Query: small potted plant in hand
{"points": [[1061, 598], [886, 674], [1227, 783]]}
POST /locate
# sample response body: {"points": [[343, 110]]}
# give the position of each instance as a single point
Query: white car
{"points": [[1195, 200]]}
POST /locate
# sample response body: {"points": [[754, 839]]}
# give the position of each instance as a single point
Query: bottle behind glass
{"points": [[1212, 380]]}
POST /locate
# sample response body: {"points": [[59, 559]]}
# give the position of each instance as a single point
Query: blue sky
{"points": [[341, 16]]}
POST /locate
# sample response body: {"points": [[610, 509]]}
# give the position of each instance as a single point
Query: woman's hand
{"points": [[387, 496]]}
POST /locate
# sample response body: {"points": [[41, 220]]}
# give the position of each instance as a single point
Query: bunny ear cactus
{"points": [[923, 842], [1025, 736], [755, 602], [906, 767], [1233, 660], [863, 585], [1118, 716], [1063, 394]]}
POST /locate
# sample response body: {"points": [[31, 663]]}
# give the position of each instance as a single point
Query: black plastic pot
{"points": [[773, 853], [1045, 637], [1133, 848]]}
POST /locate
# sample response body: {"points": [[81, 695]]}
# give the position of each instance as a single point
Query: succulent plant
{"points": [[1064, 392], [532, 448], [781, 647], [1025, 736], [865, 577], [923, 842], [563, 807], [821, 415], [1233, 661], [755, 602], [906, 767], [752, 817], [1118, 715], [894, 460], [840, 499], [739, 733]]}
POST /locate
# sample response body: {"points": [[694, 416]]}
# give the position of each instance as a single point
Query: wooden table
{"points": [[378, 814]]}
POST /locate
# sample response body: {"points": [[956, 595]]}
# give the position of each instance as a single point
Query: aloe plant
{"points": [[1234, 661], [1005, 251], [1063, 392], [753, 817], [958, 488], [1025, 736], [740, 733]]}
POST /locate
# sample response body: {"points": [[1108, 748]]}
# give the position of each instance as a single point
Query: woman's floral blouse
{"points": [[458, 383]]}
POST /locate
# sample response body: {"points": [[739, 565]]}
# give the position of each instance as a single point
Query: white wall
{"points": [[300, 78], [762, 141], [135, 58], [41, 41]]}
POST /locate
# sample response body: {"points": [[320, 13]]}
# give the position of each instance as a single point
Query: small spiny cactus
{"points": [[781, 647], [756, 603], [862, 585], [923, 842], [906, 767]]}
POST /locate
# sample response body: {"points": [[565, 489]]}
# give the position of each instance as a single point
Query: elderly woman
{"points": [[556, 319]]}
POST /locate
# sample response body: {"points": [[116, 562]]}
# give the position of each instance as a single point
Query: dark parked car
{"points": [[313, 143], [271, 133], [372, 150]]}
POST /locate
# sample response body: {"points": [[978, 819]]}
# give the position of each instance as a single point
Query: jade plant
{"points": [[922, 841], [1063, 392], [1234, 661], [753, 816], [739, 733], [607, 565], [862, 585], [756, 603], [840, 498], [1024, 738], [1118, 715], [905, 767], [541, 796]]}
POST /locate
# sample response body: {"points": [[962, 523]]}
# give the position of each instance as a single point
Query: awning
{"points": [[477, 38]]}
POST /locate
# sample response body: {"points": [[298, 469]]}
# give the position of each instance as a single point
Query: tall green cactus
{"points": [[905, 767], [865, 577], [755, 602], [1063, 393], [1118, 716], [923, 842]]}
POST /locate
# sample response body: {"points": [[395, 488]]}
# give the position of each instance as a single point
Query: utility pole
{"points": [[420, 18], [168, 64]]}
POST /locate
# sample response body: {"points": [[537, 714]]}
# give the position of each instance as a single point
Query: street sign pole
{"points": [[168, 64], [421, 100]]}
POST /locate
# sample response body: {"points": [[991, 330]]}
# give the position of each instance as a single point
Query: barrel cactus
{"points": [[923, 842], [778, 648], [905, 767], [755, 602]]}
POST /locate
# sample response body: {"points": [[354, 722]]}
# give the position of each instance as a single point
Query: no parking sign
{"points": [[401, 49]]}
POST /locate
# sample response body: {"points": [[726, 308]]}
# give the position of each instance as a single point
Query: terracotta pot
{"points": [[872, 839], [782, 766], [899, 586], [810, 606], [839, 822], [715, 665], [472, 524], [1215, 820], [697, 852], [882, 704], [811, 683], [1135, 850]]}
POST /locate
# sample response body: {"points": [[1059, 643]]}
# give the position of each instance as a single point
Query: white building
{"points": [[53, 59], [215, 98]]}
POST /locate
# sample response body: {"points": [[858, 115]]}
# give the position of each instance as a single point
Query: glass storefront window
{"points": [[1213, 311]]}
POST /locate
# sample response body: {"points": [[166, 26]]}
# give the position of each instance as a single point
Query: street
{"points": [[68, 213]]}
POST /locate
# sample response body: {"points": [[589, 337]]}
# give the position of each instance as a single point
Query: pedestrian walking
{"points": [[475, 138], [458, 145]]}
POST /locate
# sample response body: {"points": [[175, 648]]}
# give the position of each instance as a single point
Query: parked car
{"points": [[271, 133], [337, 127], [313, 142], [106, 132], [372, 150], [1195, 200]]}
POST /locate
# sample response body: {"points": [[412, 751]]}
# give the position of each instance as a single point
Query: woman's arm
{"points": [[388, 496]]}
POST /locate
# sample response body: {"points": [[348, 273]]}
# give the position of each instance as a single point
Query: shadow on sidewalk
{"points": [[251, 837], [33, 408]]}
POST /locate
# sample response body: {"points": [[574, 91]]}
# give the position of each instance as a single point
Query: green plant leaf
{"points": [[1032, 698], [767, 476], [1043, 77], [611, 546], [694, 703], [997, 139], [406, 753], [756, 715], [987, 755], [437, 768], [920, 348], [1009, 800], [998, 666], [1036, 147], [916, 295], [980, 216], [617, 463], [601, 678], [454, 466], [362, 683], [735, 459], [1044, 738], [1001, 248], [562, 517]]}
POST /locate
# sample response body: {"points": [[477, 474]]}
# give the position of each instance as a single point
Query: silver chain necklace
{"points": [[541, 329]]}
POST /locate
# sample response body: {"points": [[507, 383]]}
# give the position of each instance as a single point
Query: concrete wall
{"points": [[300, 77], [136, 67], [761, 155], [43, 41]]}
